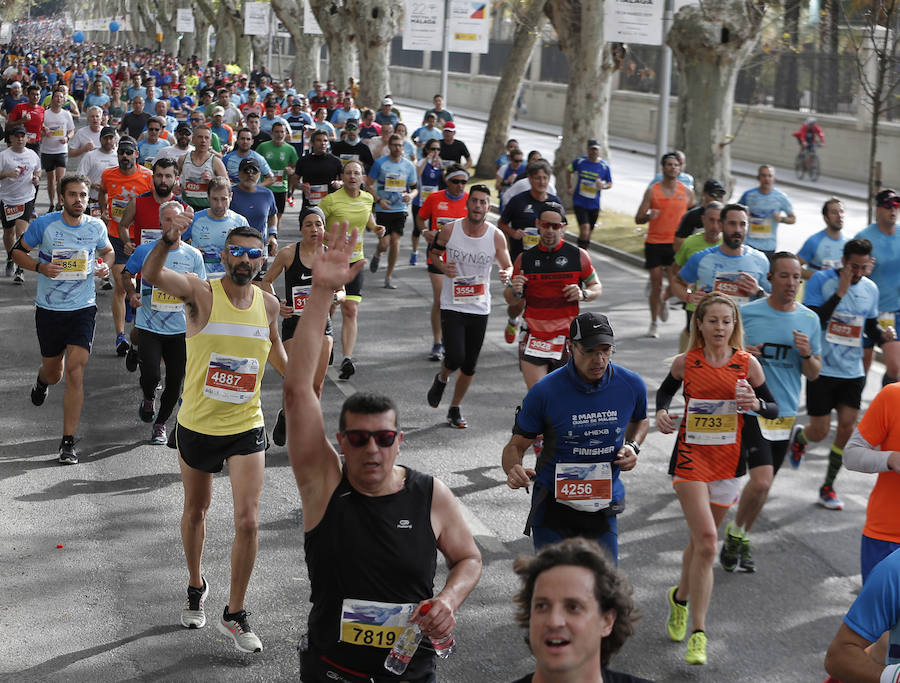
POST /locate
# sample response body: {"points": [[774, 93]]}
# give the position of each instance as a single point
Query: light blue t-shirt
{"points": [[842, 348], [425, 136], [780, 359], [158, 312], [208, 235], [341, 115], [233, 160], [763, 229], [821, 252], [714, 270], [265, 123], [886, 273], [73, 246], [877, 607], [147, 151], [392, 179]]}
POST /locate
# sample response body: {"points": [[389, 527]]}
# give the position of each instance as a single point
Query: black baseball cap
{"points": [[714, 188], [591, 329], [249, 162], [183, 128], [886, 196], [351, 123], [107, 131], [555, 207], [127, 142], [593, 142], [16, 130]]}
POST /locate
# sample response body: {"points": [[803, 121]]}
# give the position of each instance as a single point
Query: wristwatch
{"points": [[634, 446]]}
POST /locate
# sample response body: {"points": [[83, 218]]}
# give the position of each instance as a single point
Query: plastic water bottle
{"points": [[406, 645], [742, 389], [444, 647]]}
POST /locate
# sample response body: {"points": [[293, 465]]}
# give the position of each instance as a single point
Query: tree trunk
{"points": [[204, 16], [787, 95], [305, 69], [710, 43], [528, 27], [376, 23], [340, 36], [167, 15], [592, 61], [148, 36]]}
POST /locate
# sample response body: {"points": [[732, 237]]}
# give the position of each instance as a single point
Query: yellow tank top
{"points": [[225, 365]]}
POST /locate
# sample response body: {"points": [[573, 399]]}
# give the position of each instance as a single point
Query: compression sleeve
{"points": [[861, 456], [769, 409], [825, 310], [666, 392], [873, 330]]}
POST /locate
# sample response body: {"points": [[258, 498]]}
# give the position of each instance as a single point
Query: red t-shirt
{"points": [[33, 122], [438, 210]]}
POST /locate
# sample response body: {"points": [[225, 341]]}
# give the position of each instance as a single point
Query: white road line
{"points": [[484, 536]]}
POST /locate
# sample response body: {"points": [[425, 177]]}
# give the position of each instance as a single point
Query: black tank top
{"points": [[370, 548], [296, 275]]}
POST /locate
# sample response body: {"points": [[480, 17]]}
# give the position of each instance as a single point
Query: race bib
{"points": [[545, 348], [165, 303], [531, 238], [195, 189], [13, 212], [75, 264], [469, 289], [886, 319], [373, 624], [150, 234], [95, 210], [230, 379], [845, 329], [118, 208], [395, 183], [588, 189], [149, 164], [828, 263], [762, 226], [711, 421], [57, 132], [427, 190], [776, 429], [296, 135], [279, 177], [31, 137], [726, 283], [317, 193], [299, 297], [584, 486]]}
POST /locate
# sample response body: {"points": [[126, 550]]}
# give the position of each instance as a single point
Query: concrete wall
{"points": [[764, 137]]}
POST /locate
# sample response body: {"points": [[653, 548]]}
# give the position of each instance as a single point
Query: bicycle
{"points": [[807, 162]]}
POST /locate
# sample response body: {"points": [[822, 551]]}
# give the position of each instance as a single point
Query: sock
{"points": [[835, 458], [68, 438], [513, 321], [801, 437], [698, 630], [346, 358], [442, 381], [41, 384], [683, 603], [887, 379]]}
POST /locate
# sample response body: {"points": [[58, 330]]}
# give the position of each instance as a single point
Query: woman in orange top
{"points": [[706, 461]]}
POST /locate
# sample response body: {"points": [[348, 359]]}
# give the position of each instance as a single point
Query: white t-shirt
{"points": [[18, 190], [94, 163], [54, 142], [85, 135], [173, 152]]}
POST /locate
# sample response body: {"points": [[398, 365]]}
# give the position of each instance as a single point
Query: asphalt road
{"points": [[105, 606]]}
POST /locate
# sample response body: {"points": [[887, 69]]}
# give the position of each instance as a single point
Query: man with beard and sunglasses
{"points": [[72, 248], [394, 518], [231, 331]]}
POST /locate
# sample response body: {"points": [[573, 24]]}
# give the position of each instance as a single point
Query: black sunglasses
{"points": [[360, 437]]}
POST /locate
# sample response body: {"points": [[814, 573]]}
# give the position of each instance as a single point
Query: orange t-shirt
{"points": [[671, 209], [710, 385], [880, 426], [120, 188]]}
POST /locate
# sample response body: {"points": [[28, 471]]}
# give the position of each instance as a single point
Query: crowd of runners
{"points": [[168, 184]]}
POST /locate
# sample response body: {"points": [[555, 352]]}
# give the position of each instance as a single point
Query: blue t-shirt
{"points": [[147, 151], [582, 422], [233, 160], [587, 194], [74, 246], [763, 229], [424, 136], [92, 100], [842, 347], [877, 607], [265, 124], [886, 273], [392, 179], [208, 235], [780, 359], [821, 252], [255, 206], [341, 115], [712, 269], [158, 312]]}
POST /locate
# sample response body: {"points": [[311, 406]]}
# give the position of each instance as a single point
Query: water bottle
{"points": [[444, 647], [406, 645], [742, 388]]}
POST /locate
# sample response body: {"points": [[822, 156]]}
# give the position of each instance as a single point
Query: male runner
{"points": [[20, 176], [588, 175], [256, 204], [58, 128], [211, 226], [281, 157], [768, 207], [352, 146], [198, 167], [824, 249], [243, 150], [318, 171]]}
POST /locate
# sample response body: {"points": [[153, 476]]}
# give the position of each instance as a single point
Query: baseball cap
{"points": [[15, 130], [183, 127], [351, 124], [593, 142], [388, 101], [591, 329], [218, 111], [886, 196], [249, 162], [555, 207], [126, 141], [714, 188], [449, 125], [107, 131]]}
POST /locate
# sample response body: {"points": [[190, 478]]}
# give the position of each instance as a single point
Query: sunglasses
{"points": [[551, 226], [126, 152], [890, 204], [360, 437], [252, 252]]}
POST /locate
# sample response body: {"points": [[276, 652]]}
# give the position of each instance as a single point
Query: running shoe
{"points": [[39, 392], [436, 391], [388, 284], [67, 454], [122, 344], [696, 649], [107, 285], [413, 259], [347, 369], [238, 628], [731, 550], [796, 448], [828, 499], [437, 352], [455, 418], [19, 277], [131, 359], [373, 264], [159, 437], [663, 311], [193, 616], [10, 267], [678, 617], [512, 329], [290, 200], [279, 433], [747, 563], [653, 332], [146, 410]]}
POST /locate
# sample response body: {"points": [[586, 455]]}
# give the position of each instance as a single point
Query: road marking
{"points": [[345, 387], [486, 538]]}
